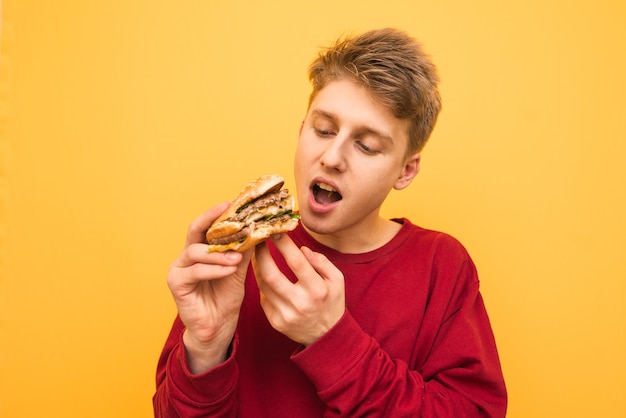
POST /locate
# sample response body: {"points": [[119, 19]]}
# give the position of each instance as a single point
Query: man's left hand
{"points": [[307, 309]]}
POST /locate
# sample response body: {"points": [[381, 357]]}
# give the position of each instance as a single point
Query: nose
{"points": [[334, 156]]}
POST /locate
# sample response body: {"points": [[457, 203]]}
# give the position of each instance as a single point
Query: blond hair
{"points": [[394, 68]]}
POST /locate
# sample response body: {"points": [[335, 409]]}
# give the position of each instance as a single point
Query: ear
{"points": [[409, 171]]}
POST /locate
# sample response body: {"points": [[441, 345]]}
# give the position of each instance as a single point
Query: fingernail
{"points": [[231, 255]]}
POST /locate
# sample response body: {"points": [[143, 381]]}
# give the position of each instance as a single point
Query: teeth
{"points": [[326, 187]]}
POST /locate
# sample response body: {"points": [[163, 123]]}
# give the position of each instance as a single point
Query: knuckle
{"points": [[272, 277], [196, 270], [288, 317], [319, 294], [195, 227], [299, 264], [172, 278], [304, 305]]}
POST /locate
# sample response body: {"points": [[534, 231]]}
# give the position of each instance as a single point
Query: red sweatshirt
{"points": [[415, 340]]}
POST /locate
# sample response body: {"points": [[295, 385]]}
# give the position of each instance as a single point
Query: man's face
{"points": [[350, 154]]}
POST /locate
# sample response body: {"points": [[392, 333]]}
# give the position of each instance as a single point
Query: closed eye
{"points": [[366, 149], [323, 133]]}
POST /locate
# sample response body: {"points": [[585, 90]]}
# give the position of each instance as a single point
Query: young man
{"points": [[351, 314]]}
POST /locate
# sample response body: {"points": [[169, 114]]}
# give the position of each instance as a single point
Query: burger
{"points": [[263, 208]]}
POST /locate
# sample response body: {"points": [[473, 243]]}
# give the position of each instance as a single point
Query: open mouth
{"points": [[325, 194]]}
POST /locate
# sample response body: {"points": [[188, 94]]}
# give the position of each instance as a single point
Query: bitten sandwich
{"points": [[262, 209]]}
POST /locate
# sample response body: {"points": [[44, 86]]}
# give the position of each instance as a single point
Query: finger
{"points": [[242, 268], [197, 253], [271, 281], [182, 278], [275, 290], [296, 260], [195, 265], [197, 229], [322, 265]]}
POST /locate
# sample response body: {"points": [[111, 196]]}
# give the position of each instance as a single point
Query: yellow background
{"points": [[121, 121]]}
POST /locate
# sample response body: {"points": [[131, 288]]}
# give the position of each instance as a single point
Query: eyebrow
{"points": [[363, 128]]}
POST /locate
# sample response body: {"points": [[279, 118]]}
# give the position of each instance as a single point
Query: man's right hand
{"points": [[208, 289]]}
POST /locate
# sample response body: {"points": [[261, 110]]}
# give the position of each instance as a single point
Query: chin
{"points": [[311, 221], [318, 224]]}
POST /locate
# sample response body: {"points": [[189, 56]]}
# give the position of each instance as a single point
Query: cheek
{"points": [[299, 158], [306, 152], [301, 164], [377, 179]]}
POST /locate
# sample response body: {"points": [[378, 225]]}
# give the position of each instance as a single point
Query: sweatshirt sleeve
{"points": [[180, 393], [461, 376]]}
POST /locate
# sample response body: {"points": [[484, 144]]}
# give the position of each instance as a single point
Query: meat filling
{"points": [[237, 236], [261, 202], [243, 233]]}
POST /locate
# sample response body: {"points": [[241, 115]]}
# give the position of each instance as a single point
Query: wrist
{"points": [[202, 356]]}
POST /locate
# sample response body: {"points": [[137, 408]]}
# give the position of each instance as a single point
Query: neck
{"points": [[350, 241]]}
